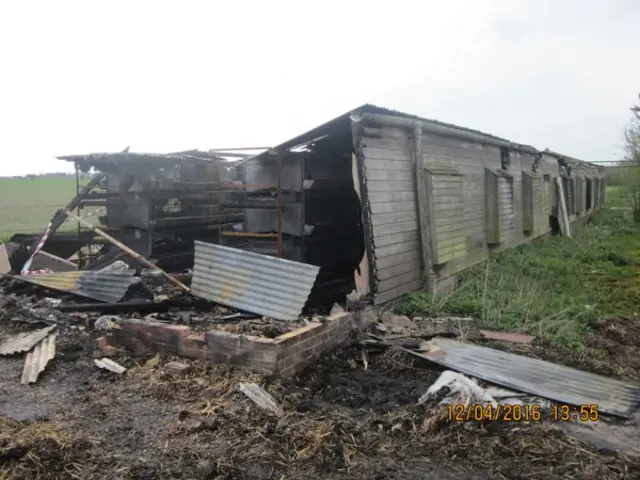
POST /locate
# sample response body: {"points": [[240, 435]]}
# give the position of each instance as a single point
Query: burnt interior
{"points": [[321, 212], [589, 183], [333, 208], [159, 212]]}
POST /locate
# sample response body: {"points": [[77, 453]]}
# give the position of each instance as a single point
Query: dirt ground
{"points": [[342, 421]]}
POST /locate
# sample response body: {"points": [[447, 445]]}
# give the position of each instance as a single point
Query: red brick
{"points": [[260, 341], [131, 324], [268, 356], [221, 338], [164, 332], [299, 335], [105, 348], [139, 349], [262, 367], [193, 347], [164, 347]]}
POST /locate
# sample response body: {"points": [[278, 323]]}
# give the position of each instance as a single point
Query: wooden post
{"points": [[279, 244], [131, 252], [565, 226]]}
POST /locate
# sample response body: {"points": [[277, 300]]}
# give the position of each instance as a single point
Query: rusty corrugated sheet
{"points": [[534, 376], [23, 342], [100, 285], [37, 359], [256, 283]]}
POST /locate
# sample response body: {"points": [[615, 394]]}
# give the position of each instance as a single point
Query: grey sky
{"points": [[80, 76]]}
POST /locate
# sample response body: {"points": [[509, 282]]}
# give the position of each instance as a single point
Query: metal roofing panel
{"points": [[534, 376], [261, 284], [106, 286], [441, 169], [343, 121], [573, 160], [37, 360], [23, 342], [132, 157], [369, 108]]}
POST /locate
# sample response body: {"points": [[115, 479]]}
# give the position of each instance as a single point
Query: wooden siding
{"points": [[500, 207], [547, 192], [568, 187], [470, 159], [448, 227], [533, 201], [580, 195], [458, 210], [391, 190]]}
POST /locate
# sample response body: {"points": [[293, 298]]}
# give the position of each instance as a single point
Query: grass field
{"points": [[556, 288], [27, 205]]}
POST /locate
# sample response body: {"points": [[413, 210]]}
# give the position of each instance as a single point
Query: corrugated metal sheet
{"points": [[261, 284], [105, 286], [23, 342], [537, 377], [155, 159], [37, 359]]}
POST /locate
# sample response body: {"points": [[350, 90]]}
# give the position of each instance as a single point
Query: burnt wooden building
{"points": [[387, 203]]}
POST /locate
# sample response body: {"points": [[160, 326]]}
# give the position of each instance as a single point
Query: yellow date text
{"points": [[494, 413]]}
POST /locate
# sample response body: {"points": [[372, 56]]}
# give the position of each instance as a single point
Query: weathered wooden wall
{"points": [[391, 191], [475, 206]]}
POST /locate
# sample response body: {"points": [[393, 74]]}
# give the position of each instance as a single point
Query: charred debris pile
{"points": [[269, 234]]}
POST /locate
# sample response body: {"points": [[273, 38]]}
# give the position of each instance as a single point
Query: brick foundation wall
{"points": [[284, 355]]}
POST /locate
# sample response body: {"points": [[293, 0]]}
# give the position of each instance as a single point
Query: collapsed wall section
{"points": [[320, 218]]}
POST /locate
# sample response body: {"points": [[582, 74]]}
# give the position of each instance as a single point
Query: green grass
{"points": [[27, 205], [556, 288]]}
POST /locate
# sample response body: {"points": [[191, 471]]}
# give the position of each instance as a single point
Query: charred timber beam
{"points": [[255, 205], [177, 221], [61, 216]]}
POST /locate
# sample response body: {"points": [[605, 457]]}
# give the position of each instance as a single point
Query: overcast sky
{"points": [[82, 76]]}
